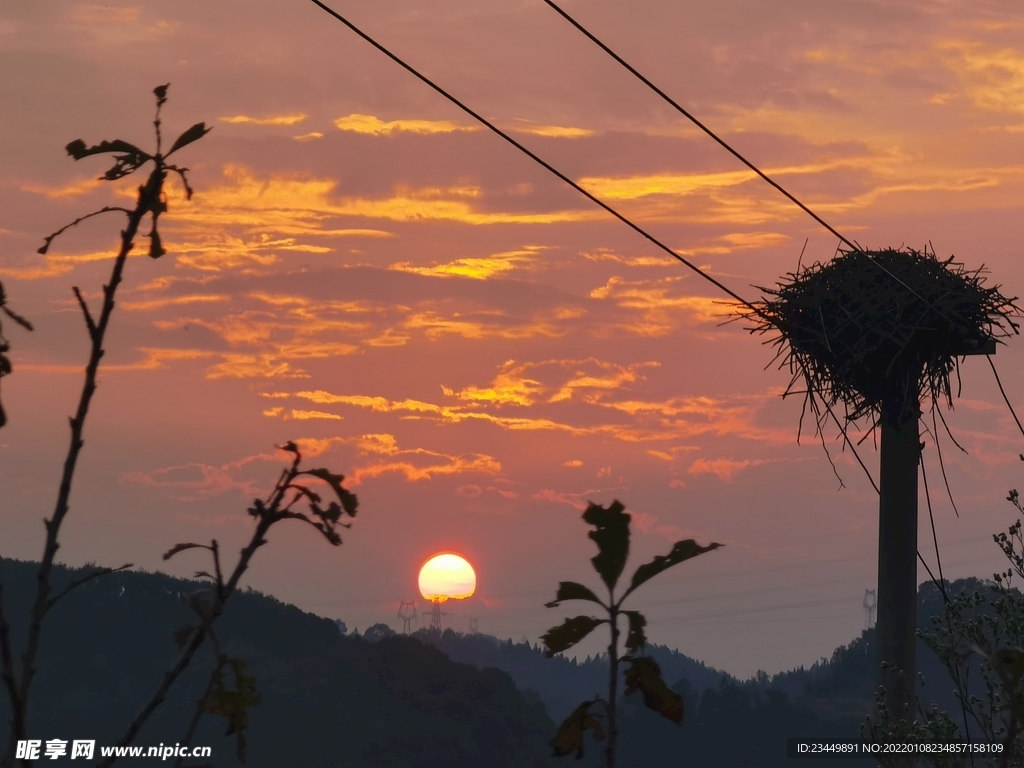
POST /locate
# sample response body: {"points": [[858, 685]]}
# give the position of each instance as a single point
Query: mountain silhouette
{"points": [[429, 699]]}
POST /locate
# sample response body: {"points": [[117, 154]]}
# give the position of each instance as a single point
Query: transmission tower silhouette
{"points": [[435, 614], [870, 603], [407, 613]]}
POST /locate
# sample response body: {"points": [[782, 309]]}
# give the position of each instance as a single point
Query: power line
{"points": [[737, 155], [699, 124], [635, 227]]}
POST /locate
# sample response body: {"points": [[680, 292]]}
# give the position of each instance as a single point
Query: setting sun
{"points": [[447, 577]]}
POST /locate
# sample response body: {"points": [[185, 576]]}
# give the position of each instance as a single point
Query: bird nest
{"points": [[874, 327]]}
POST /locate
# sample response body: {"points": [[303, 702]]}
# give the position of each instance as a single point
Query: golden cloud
{"points": [[157, 358], [300, 205], [71, 189], [453, 465], [292, 119], [512, 386], [374, 126], [240, 366], [552, 131], [666, 430], [509, 387], [660, 312], [304, 415], [612, 376], [36, 273], [309, 136], [171, 301], [676, 184], [993, 78], [607, 254], [478, 268], [435, 326]]}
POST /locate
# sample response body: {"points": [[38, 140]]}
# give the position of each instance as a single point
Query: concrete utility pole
{"points": [[897, 551]]}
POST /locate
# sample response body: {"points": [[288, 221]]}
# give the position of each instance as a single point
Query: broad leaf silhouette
{"points": [[681, 551], [611, 534], [571, 590], [125, 164], [568, 633], [194, 133], [644, 675], [635, 638], [569, 739]]}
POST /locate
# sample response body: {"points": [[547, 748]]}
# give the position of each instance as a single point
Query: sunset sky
{"points": [[478, 348]]}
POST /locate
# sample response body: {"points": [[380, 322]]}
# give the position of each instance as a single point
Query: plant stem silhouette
{"points": [[149, 201], [611, 534], [276, 508], [281, 504]]}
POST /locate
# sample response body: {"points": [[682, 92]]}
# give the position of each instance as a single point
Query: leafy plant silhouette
{"points": [[611, 534], [292, 498]]}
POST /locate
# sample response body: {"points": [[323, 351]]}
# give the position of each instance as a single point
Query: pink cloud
{"points": [[724, 469]]}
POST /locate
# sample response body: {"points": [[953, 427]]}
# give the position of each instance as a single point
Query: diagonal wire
{"points": [[537, 159], [1003, 392], [698, 123], [738, 156], [935, 538], [942, 464]]}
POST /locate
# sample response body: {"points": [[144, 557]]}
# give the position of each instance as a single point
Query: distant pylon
{"points": [[870, 603], [435, 615], [473, 626], [407, 613]]}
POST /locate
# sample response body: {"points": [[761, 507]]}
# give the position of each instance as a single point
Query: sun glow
{"points": [[447, 577]]}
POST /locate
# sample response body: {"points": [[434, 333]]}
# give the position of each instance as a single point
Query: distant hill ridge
{"points": [[431, 699], [327, 700]]}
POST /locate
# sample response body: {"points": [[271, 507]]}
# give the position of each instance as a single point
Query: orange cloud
{"points": [[552, 131], [305, 415], [71, 189], [723, 469], [660, 312], [196, 481], [240, 366], [374, 126], [35, 273], [509, 387], [477, 268], [102, 15], [992, 78], [415, 463], [577, 500], [512, 386], [291, 119], [606, 254], [614, 377], [309, 136], [435, 326], [457, 414], [289, 204], [171, 301], [665, 422]]}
